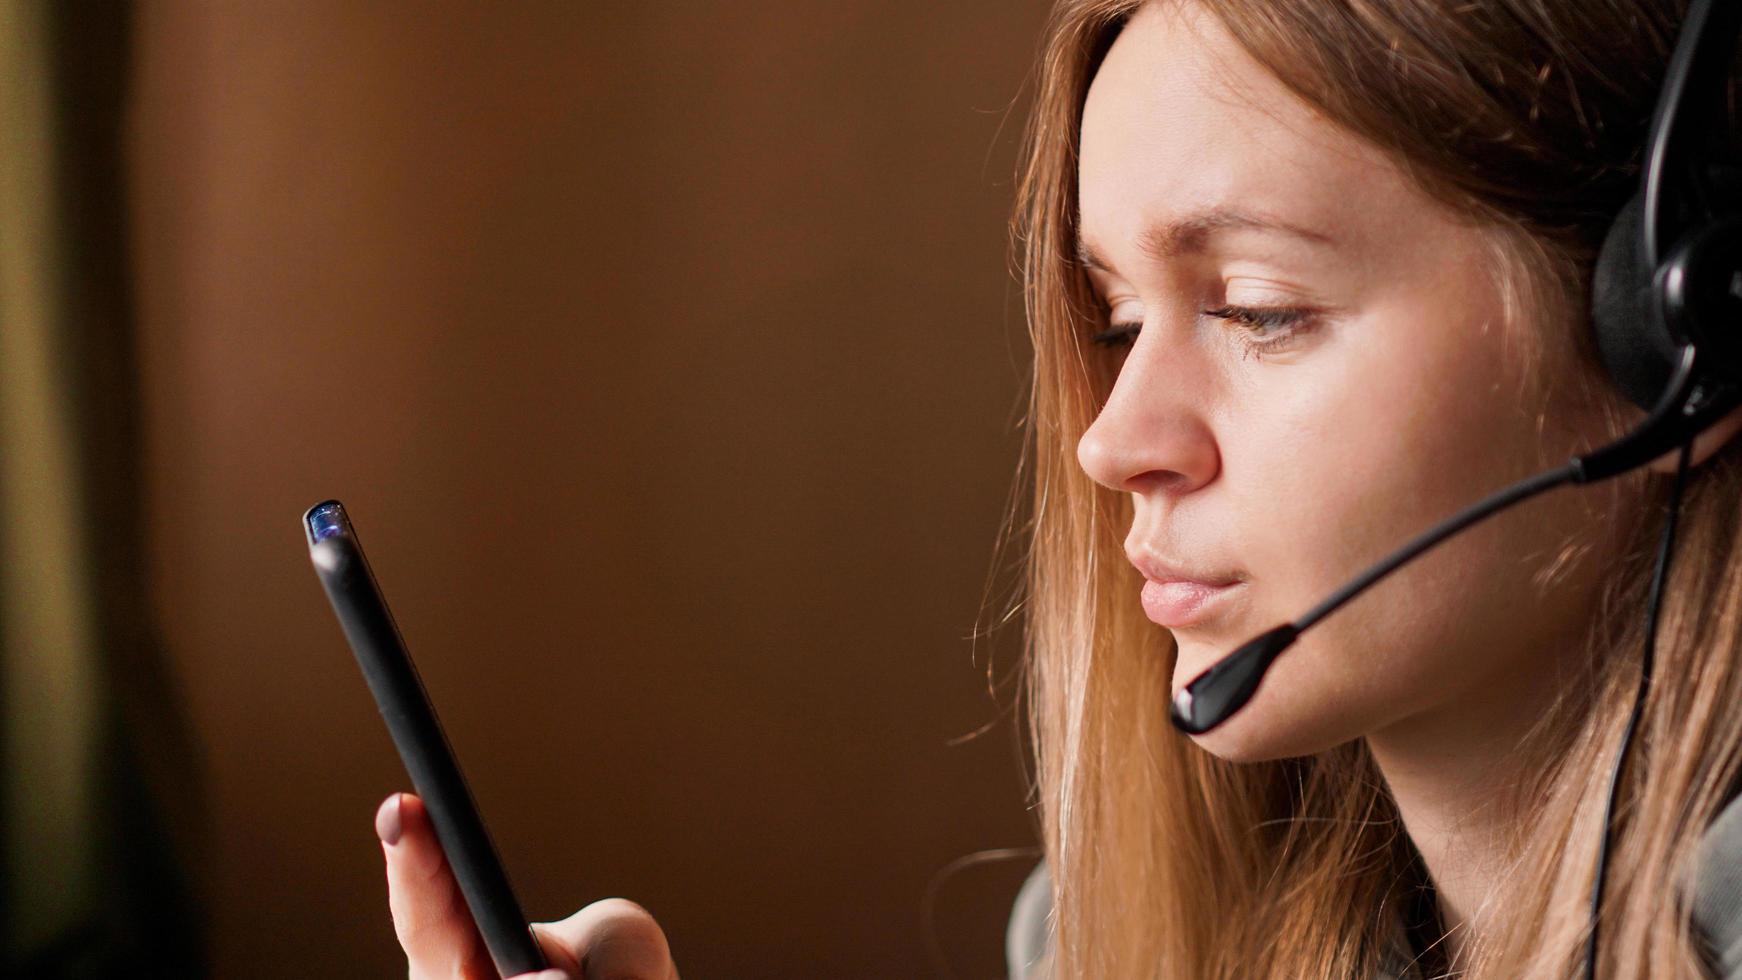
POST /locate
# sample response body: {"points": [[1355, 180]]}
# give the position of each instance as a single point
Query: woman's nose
{"points": [[1149, 437]]}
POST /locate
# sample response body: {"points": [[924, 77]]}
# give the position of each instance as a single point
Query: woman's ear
{"points": [[1705, 444]]}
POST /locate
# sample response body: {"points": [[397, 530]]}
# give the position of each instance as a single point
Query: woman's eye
{"points": [[1259, 318], [1267, 328], [1117, 335]]}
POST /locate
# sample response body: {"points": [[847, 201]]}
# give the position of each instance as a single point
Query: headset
{"points": [[1666, 305]]}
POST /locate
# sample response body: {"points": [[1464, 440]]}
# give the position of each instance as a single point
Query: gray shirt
{"points": [[1717, 910]]}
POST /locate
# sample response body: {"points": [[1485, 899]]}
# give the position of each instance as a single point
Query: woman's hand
{"points": [[612, 939]]}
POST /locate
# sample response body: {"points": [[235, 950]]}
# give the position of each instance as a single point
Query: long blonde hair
{"points": [[1169, 862]]}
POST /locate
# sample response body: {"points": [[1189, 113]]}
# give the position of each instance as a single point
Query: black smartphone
{"points": [[429, 760]]}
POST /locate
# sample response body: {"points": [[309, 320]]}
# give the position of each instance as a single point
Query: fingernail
{"points": [[387, 825], [547, 975]]}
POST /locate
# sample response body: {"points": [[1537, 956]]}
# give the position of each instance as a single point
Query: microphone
{"points": [[1690, 403]]}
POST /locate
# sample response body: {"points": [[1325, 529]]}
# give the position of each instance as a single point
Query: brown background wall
{"points": [[668, 358]]}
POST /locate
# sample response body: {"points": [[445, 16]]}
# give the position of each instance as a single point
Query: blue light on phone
{"points": [[325, 521]]}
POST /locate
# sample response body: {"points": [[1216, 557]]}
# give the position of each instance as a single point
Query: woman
{"points": [[1305, 278]]}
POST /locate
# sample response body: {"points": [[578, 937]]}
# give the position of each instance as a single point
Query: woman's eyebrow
{"points": [[1192, 233]]}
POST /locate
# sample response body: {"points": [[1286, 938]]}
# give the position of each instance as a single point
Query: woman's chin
{"points": [[1280, 722]]}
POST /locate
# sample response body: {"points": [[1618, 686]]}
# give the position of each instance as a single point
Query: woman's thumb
{"points": [[613, 939]]}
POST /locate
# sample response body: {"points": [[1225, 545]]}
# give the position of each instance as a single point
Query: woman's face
{"points": [[1291, 449]]}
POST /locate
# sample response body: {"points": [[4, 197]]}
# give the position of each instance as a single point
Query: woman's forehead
{"points": [[1180, 121]]}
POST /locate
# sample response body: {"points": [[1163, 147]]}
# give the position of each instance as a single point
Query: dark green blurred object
{"points": [[99, 804]]}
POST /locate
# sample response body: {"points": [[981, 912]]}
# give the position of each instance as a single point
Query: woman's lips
{"points": [[1178, 604]]}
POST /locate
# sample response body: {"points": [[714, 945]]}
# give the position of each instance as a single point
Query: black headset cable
{"points": [[1665, 548]]}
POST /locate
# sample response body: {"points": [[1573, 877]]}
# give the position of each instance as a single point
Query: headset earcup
{"points": [[1700, 295], [1632, 338]]}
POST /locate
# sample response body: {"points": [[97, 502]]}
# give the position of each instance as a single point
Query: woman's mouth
{"points": [[1180, 603]]}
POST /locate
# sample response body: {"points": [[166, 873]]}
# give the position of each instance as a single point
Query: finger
{"points": [[557, 955], [613, 939], [429, 914]]}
